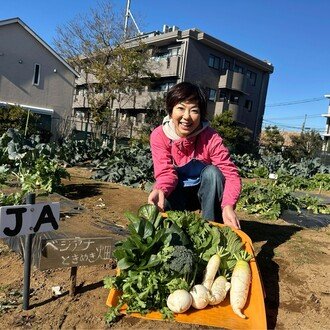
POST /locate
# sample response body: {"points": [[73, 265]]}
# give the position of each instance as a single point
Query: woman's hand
{"points": [[229, 217], [157, 198]]}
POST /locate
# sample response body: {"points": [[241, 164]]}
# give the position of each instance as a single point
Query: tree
{"points": [[155, 113], [114, 69], [238, 139], [306, 145], [14, 116], [271, 140]]}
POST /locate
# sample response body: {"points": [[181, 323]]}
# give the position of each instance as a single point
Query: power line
{"points": [[293, 118], [318, 129], [280, 125], [280, 104]]}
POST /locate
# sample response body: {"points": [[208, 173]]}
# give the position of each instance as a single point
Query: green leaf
{"points": [[148, 229], [139, 244], [148, 212], [153, 261], [178, 236], [120, 253], [125, 263]]}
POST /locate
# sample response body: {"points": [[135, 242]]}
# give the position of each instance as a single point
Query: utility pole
{"points": [[303, 124], [128, 15]]}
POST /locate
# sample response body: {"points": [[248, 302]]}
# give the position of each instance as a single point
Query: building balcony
{"points": [[80, 101], [86, 78], [234, 81], [225, 105], [138, 101], [167, 66]]}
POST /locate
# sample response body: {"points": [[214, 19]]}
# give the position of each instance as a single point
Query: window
{"points": [[166, 53], [248, 105], [165, 87], [81, 90], [79, 114], [98, 88], [234, 99], [252, 76], [140, 89], [223, 96], [212, 94], [214, 62], [174, 51], [168, 63], [36, 74], [162, 86], [226, 65], [238, 68]]}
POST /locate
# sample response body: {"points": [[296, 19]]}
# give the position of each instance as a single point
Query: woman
{"points": [[192, 167]]}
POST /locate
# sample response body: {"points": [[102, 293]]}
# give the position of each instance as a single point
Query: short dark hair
{"points": [[183, 92]]}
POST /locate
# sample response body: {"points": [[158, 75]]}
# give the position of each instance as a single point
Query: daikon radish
{"points": [[240, 283], [212, 268], [219, 290]]}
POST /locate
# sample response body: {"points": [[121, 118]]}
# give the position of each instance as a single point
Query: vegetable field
{"points": [[103, 186], [293, 261]]}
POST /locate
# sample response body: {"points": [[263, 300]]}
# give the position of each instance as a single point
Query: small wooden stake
{"points": [[73, 281], [30, 199]]}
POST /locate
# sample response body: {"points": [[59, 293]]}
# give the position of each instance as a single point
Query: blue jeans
{"points": [[206, 196]]}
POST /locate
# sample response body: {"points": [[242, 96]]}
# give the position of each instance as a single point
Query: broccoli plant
{"points": [[182, 265], [181, 260]]}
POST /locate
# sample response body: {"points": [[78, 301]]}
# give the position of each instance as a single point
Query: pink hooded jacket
{"points": [[206, 146]]}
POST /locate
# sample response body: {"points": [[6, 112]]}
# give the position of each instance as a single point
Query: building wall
{"points": [[234, 83], [326, 135], [19, 51]]}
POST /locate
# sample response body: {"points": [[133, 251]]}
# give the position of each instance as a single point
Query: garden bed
{"points": [[293, 262]]}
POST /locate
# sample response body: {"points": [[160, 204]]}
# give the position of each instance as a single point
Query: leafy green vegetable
{"points": [[162, 254]]}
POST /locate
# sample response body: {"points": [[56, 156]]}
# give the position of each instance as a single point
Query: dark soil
{"points": [[293, 262]]}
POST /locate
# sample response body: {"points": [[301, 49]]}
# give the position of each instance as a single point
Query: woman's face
{"points": [[186, 117]]}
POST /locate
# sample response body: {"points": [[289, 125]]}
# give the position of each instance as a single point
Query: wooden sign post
{"points": [[30, 199]]}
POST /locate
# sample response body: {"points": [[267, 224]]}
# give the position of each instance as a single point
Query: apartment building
{"points": [[233, 79], [34, 76], [326, 135]]}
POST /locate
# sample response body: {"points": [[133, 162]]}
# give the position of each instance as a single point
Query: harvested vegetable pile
{"points": [[166, 263]]}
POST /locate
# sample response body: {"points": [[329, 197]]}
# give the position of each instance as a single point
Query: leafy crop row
{"points": [[131, 166], [270, 199], [41, 166]]}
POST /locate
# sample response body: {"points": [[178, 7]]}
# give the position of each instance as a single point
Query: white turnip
{"points": [[200, 296], [179, 301]]}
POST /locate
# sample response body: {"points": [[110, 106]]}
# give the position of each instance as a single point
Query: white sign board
{"points": [[26, 219]]}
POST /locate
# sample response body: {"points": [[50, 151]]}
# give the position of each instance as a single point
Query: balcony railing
{"points": [[166, 67], [225, 105], [233, 80], [80, 101]]}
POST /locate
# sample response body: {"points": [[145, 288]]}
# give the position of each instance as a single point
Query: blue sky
{"points": [[291, 34]]}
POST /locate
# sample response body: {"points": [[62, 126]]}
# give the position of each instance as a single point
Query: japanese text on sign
{"points": [[71, 252]]}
